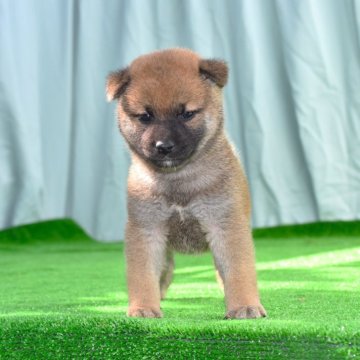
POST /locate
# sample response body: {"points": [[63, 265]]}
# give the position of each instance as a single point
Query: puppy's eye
{"points": [[145, 118], [187, 115]]}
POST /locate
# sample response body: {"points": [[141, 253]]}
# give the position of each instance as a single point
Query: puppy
{"points": [[187, 191]]}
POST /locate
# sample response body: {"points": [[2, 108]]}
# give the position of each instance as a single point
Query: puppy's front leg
{"points": [[145, 254], [235, 261]]}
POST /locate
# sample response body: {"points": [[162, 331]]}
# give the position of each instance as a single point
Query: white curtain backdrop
{"points": [[292, 103]]}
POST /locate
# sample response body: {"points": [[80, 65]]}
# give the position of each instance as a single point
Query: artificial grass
{"points": [[63, 296]]}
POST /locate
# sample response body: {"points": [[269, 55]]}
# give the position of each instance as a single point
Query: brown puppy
{"points": [[186, 189]]}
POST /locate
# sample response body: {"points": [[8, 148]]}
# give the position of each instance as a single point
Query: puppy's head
{"points": [[169, 105]]}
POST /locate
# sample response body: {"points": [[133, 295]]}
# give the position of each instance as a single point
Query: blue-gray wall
{"points": [[292, 103]]}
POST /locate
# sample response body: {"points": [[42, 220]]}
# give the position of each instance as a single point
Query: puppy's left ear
{"points": [[117, 83], [214, 70]]}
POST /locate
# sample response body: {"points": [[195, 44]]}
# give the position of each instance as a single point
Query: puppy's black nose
{"points": [[164, 147]]}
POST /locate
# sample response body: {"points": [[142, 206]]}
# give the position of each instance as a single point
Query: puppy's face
{"points": [[169, 105]]}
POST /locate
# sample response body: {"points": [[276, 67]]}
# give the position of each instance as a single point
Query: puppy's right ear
{"points": [[116, 83]]}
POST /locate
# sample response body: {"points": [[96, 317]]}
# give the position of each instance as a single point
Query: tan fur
{"points": [[201, 204]]}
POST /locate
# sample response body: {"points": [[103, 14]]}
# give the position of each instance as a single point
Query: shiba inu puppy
{"points": [[187, 191]]}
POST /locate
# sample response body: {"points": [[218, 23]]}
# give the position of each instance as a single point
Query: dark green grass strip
{"points": [[63, 296], [319, 229], [65, 230]]}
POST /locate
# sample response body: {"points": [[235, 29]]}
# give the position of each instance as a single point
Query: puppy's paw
{"points": [[246, 312], [144, 313]]}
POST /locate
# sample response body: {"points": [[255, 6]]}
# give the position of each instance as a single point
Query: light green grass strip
{"points": [[63, 296]]}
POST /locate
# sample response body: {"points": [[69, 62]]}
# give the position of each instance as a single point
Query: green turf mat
{"points": [[63, 296]]}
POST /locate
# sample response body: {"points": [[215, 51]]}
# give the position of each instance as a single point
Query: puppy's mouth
{"points": [[169, 164]]}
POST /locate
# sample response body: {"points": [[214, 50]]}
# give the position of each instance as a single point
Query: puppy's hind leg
{"points": [[167, 274], [219, 278]]}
